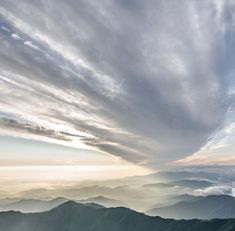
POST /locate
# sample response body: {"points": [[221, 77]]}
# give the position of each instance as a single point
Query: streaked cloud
{"points": [[149, 82]]}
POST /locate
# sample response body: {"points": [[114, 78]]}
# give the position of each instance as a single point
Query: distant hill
{"points": [[31, 205], [214, 206], [186, 183], [106, 202], [186, 197], [157, 185], [171, 200], [7, 201], [94, 205], [179, 175], [72, 216], [189, 183]]}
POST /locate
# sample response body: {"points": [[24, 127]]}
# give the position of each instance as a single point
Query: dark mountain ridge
{"points": [[72, 216]]}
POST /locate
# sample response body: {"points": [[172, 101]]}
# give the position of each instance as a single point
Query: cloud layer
{"points": [[147, 81]]}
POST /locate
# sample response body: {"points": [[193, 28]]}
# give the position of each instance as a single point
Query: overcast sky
{"points": [[148, 83]]}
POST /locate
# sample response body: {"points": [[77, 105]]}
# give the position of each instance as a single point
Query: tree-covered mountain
{"points": [[72, 216], [213, 206], [104, 201]]}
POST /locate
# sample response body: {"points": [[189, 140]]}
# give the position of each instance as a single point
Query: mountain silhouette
{"points": [[106, 202], [72, 216], [213, 206]]}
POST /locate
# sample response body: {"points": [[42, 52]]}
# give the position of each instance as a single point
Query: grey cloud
{"points": [[153, 76], [21, 126]]}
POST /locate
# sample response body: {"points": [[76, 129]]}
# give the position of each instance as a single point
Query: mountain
{"points": [[171, 200], [214, 206], [185, 198], [72, 216], [7, 201], [186, 183], [106, 202], [208, 173], [81, 192], [157, 185], [189, 183], [94, 205], [141, 192], [31, 205]]}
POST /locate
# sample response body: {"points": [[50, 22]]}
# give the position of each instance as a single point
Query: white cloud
{"points": [[4, 28], [30, 44], [214, 190], [16, 37]]}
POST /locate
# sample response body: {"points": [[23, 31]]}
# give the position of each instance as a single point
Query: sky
{"points": [[132, 86]]}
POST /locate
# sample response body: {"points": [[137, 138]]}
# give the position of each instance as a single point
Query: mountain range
{"points": [[213, 206], [33, 205], [71, 216], [104, 201]]}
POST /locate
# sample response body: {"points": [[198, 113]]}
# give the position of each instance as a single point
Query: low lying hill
{"points": [[215, 206], [72, 216], [186, 183], [171, 200], [32, 205], [189, 183]]}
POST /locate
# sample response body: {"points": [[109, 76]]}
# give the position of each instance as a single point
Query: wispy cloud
{"points": [[144, 81]]}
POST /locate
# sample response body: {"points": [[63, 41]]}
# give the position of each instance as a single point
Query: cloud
{"points": [[148, 81], [32, 128], [4, 28], [15, 36], [30, 44], [214, 190], [219, 149]]}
